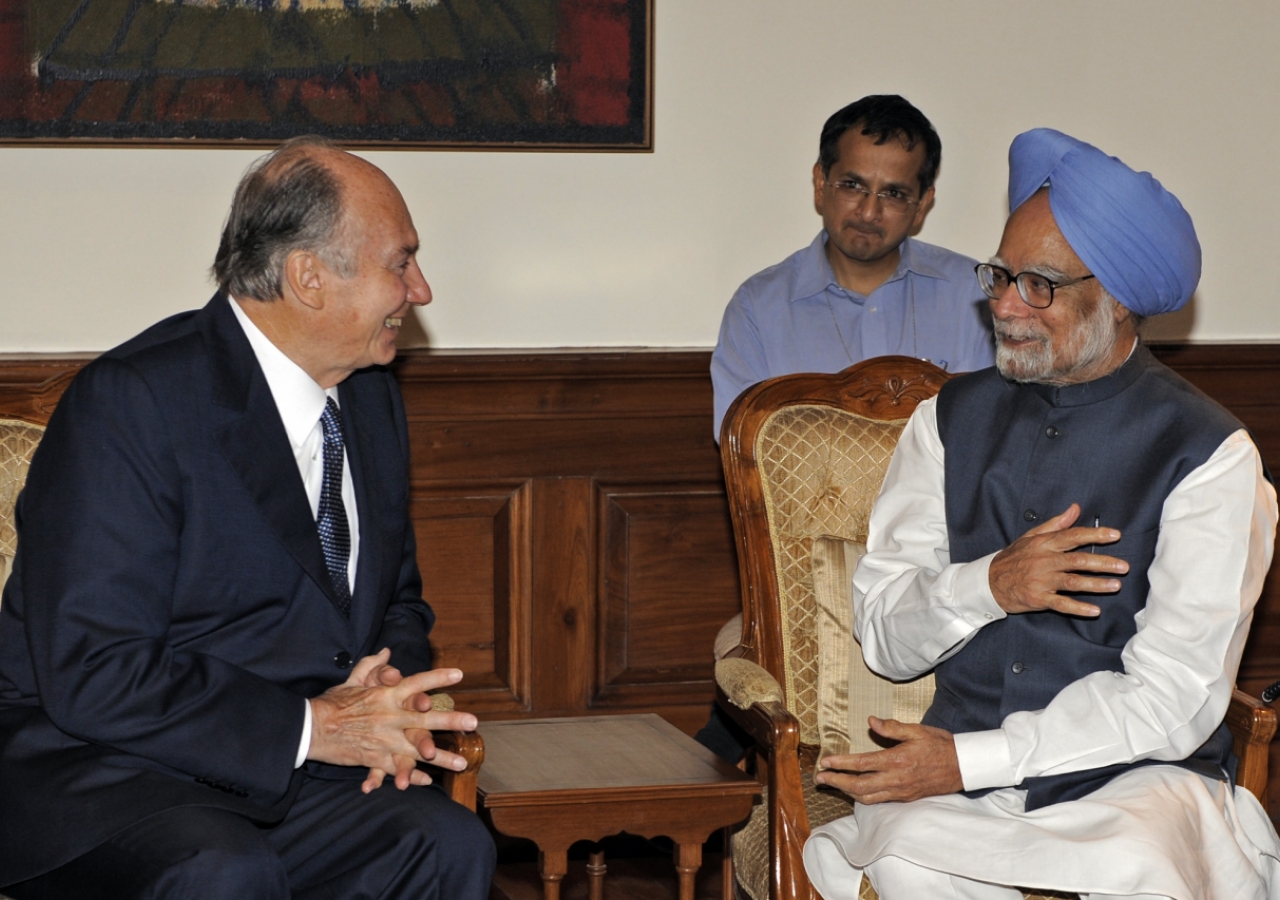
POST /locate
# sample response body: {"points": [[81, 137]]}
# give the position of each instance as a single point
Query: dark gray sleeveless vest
{"points": [[1017, 454]]}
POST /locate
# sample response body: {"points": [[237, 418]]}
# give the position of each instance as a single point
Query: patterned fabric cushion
{"points": [[18, 442], [848, 691], [821, 469]]}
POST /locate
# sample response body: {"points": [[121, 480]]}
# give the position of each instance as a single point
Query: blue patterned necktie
{"points": [[335, 536]]}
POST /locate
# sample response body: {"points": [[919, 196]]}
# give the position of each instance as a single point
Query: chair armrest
{"points": [[744, 683], [777, 733], [460, 786], [1253, 725], [753, 698]]}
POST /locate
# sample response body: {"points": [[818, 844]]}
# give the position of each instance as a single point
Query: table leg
{"points": [[595, 875], [726, 865], [553, 865], [688, 861]]}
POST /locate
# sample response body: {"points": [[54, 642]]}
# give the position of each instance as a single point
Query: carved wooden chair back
{"points": [[804, 457]]}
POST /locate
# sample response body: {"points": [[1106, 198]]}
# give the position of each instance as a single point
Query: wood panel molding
{"points": [[475, 553], [665, 588]]}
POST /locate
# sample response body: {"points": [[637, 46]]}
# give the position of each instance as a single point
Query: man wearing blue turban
{"points": [[1073, 543]]}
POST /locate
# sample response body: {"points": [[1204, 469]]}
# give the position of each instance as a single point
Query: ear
{"points": [[922, 210], [819, 182], [306, 277]]}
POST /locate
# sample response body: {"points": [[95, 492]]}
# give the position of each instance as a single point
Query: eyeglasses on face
{"points": [[1036, 290], [853, 192]]}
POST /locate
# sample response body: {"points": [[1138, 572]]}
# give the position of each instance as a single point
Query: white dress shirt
{"points": [[300, 402]]}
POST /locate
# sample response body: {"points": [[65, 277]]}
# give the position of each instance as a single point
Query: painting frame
{"points": [[532, 75]]}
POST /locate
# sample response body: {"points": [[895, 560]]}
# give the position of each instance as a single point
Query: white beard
{"points": [[1040, 362]]}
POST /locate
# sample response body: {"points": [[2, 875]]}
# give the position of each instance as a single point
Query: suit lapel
{"points": [[254, 441], [364, 475]]}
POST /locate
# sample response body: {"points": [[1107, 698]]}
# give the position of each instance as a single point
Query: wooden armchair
{"points": [[804, 456], [18, 442]]}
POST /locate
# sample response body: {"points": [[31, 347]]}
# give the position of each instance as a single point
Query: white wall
{"points": [[576, 249]]}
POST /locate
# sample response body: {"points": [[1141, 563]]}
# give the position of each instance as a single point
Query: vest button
{"points": [[1051, 432], [1031, 515], [1018, 668], [342, 659]]}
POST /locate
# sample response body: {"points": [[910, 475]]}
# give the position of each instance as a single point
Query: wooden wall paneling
{"points": [[571, 521], [564, 628], [1244, 378], [475, 553], [668, 581], [570, 421]]}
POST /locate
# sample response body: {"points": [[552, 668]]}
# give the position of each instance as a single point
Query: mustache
{"points": [[1019, 331]]}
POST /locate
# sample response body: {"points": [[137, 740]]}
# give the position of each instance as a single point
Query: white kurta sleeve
{"points": [[913, 608]]}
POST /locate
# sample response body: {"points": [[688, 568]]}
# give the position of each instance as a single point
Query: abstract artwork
{"points": [[519, 74]]}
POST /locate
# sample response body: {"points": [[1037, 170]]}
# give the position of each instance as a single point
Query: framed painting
{"points": [[492, 74]]}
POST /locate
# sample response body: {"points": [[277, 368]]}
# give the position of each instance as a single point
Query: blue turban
{"points": [[1131, 232]]}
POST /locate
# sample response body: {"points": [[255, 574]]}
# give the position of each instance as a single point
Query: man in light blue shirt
{"points": [[864, 287]]}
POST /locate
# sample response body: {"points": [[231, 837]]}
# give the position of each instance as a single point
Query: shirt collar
{"points": [[298, 398], [816, 274]]}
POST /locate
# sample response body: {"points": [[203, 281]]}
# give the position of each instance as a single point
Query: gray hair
{"points": [[288, 200]]}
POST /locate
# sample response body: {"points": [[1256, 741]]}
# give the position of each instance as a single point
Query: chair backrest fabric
{"points": [[18, 441], [848, 691], [821, 470]]}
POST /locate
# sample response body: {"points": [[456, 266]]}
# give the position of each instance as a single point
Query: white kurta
{"points": [[1156, 830]]}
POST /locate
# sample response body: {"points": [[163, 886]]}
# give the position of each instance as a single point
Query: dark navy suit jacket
{"points": [[170, 608]]}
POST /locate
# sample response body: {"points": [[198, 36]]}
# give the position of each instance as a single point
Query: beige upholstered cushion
{"points": [[848, 691], [821, 470], [728, 638], [18, 442], [833, 563]]}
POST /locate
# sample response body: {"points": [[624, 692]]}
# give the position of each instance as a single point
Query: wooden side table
{"points": [[557, 781]]}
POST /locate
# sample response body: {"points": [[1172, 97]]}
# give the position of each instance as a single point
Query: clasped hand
{"points": [[382, 720], [1027, 575]]}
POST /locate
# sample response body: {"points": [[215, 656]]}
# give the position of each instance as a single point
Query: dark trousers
{"points": [[724, 737], [335, 844]]}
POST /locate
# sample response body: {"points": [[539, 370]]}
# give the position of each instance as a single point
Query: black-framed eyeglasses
{"points": [[853, 192], [1036, 290]]}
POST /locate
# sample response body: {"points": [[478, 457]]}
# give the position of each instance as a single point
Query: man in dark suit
{"points": [[213, 646]]}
